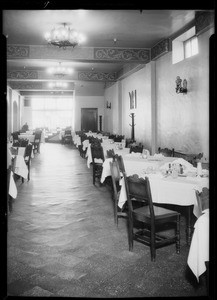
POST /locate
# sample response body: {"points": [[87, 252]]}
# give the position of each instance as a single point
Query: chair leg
{"points": [[153, 249], [93, 175], [178, 235], [130, 234], [22, 180]]}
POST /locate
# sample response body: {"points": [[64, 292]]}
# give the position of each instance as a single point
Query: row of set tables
{"points": [[29, 135], [16, 160], [166, 188]]}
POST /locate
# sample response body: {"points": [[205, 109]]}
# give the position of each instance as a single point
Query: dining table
{"points": [[198, 255], [118, 147], [165, 188], [16, 159], [31, 137]]}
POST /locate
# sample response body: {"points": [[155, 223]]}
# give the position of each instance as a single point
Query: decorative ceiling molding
{"points": [[97, 76], [160, 49], [25, 85], [85, 54], [34, 85], [22, 74], [203, 21], [121, 54], [14, 51]]}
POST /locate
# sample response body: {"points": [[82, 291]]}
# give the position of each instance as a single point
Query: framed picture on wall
{"points": [[133, 100]]}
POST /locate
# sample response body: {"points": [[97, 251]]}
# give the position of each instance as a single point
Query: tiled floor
{"points": [[62, 240]]}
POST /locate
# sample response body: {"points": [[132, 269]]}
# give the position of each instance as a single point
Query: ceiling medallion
{"points": [[60, 71], [64, 37]]}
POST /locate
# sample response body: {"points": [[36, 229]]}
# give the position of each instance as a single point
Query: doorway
{"points": [[89, 117]]}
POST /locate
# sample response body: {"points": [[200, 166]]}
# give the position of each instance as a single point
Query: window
{"points": [[52, 112], [184, 46], [191, 47]]}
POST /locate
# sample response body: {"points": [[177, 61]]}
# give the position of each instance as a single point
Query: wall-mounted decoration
{"points": [[179, 87], [108, 105], [133, 100]]}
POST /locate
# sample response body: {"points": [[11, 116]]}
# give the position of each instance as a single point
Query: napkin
{"points": [[187, 167], [156, 156], [134, 154]]}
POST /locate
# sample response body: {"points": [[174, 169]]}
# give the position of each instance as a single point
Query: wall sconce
{"points": [[179, 87], [108, 105]]}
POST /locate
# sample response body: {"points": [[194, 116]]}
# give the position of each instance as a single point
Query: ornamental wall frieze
{"points": [[97, 76], [122, 54], [203, 20], [14, 51], [160, 49], [25, 85], [22, 75]]}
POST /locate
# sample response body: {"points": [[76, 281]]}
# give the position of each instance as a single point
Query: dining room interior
{"points": [[108, 149]]}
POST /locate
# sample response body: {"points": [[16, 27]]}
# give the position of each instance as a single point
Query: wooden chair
{"points": [[15, 138], [166, 152], [37, 141], [120, 161], [118, 138], [136, 148], [203, 199], [67, 137], [116, 177], [27, 158], [151, 217], [24, 142], [110, 153], [191, 158], [97, 154]]}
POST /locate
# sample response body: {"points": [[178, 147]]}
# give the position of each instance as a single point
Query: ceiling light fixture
{"points": [[58, 84], [60, 71], [63, 37]]}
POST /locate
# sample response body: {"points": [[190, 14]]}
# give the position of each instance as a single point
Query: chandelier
{"points": [[60, 71], [64, 37], [58, 84]]}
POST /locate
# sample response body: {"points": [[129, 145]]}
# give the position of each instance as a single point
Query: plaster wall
{"points": [[111, 118], [183, 119], [141, 82]]}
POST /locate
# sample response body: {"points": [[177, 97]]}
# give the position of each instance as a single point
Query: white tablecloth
{"points": [[29, 137], [199, 249], [20, 167], [134, 163], [77, 140], [12, 187]]}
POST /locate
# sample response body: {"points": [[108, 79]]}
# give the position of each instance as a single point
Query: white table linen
{"points": [[77, 140], [12, 187], [30, 137], [20, 167], [199, 248], [134, 163]]}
